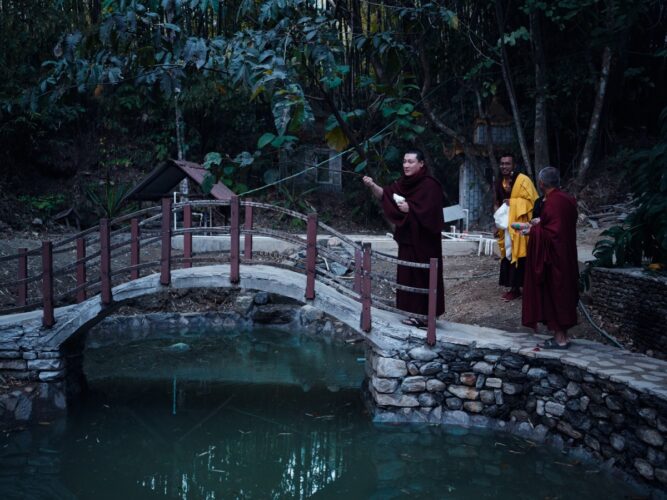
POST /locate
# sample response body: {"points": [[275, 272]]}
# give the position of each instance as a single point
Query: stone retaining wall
{"points": [[541, 399], [635, 302]]}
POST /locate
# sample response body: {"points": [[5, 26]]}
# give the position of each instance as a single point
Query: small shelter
{"points": [[164, 179]]}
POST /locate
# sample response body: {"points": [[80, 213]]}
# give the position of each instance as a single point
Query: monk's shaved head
{"points": [[549, 177]]}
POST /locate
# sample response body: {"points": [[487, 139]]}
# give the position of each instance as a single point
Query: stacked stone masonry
{"points": [[538, 398], [636, 302]]}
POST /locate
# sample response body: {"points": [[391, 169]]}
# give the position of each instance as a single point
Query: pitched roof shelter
{"points": [[164, 178]]}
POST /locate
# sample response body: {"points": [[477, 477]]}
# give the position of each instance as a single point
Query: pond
{"points": [[267, 414]]}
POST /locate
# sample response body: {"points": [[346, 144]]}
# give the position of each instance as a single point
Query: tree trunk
{"points": [[507, 78], [594, 127], [541, 137]]}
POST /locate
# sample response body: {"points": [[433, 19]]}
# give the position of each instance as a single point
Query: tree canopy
{"points": [[249, 78]]}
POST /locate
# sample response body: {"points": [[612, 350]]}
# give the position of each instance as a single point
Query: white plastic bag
{"points": [[502, 220]]}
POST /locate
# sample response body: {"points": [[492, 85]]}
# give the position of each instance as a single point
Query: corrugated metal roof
{"points": [[163, 180]]}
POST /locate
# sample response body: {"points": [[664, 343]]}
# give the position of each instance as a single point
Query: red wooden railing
{"points": [[96, 248]]}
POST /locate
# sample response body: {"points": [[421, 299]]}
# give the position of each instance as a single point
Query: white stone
{"points": [[494, 383], [463, 392], [391, 368]]}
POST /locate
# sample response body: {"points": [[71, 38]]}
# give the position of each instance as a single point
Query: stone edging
{"points": [[535, 397]]}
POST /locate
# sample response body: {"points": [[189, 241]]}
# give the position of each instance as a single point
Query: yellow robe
{"points": [[522, 200]]}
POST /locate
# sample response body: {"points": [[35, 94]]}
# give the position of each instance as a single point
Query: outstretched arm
{"points": [[375, 189]]}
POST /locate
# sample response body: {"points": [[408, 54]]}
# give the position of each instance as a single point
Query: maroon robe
{"points": [[551, 282], [418, 234]]}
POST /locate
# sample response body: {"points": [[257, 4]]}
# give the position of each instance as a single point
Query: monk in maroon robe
{"points": [[551, 281], [413, 204]]}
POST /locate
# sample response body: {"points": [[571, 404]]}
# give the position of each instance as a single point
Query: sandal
{"points": [[511, 296], [552, 344], [413, 322]]}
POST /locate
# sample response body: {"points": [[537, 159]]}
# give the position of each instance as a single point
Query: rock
{"points": [[537, 373], [277, 314], [487, 397], [454, 403], [47, 376], [482, 367], [539, 407], [617, 442], [427, 399], [656, 458], [556, 381], [554, 409], [573, 405], [463, 392], [592, 443], [583, 403], [457, 418], [413, 369], [468, 379], [422, 354], [47, 364], [413, 384], [572, 373], [573, 390], [384, 385], [10, 355], [512, 389], [494, 383], [499, 396], [400, 401], [567, 429], [512, 361], [390, 367], [473, 406], [261, 298], [650, 436], [599, 411], [648, 414], [431, 368], [519, 416], [435, 385], [613, 403], [593, 393], [13, 364], [310, 314], [644, 468], [37, 222]]}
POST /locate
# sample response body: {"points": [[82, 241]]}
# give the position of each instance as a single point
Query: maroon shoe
{"points": [[511, 295]]}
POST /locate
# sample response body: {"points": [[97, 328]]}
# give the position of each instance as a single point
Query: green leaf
{"points": [[336, 139], [361, 166], [265, 139], [212, 159]]}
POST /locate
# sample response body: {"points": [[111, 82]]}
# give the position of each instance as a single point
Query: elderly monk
{"points": [[413, 204], [518, 192], [551, 286]]}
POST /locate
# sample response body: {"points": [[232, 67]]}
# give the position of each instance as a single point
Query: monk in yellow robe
{"points": [[518, 192]]}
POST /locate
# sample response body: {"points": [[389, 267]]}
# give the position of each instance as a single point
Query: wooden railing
{"points": [[96, 267]]}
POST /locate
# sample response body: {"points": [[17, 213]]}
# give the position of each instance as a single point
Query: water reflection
{"points": [[266, 440]]}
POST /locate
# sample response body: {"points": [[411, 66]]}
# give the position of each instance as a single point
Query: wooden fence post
{"points": [[135, 249], [234, 234], [432, 300], [165, 259], [187, 236], [311, 255], [80, 270], [22, 292], [366, 289], [48, 319], [105, 262], [356, 287], [247, 240]]}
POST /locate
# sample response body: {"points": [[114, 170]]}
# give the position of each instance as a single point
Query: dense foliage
{"points": [[103, 84]]}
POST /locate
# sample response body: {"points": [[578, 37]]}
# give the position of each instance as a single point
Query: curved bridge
{"points": [[92, 262], [29, 333]]}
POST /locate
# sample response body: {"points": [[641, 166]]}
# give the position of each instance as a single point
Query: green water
{"points": [[265, 415]]}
